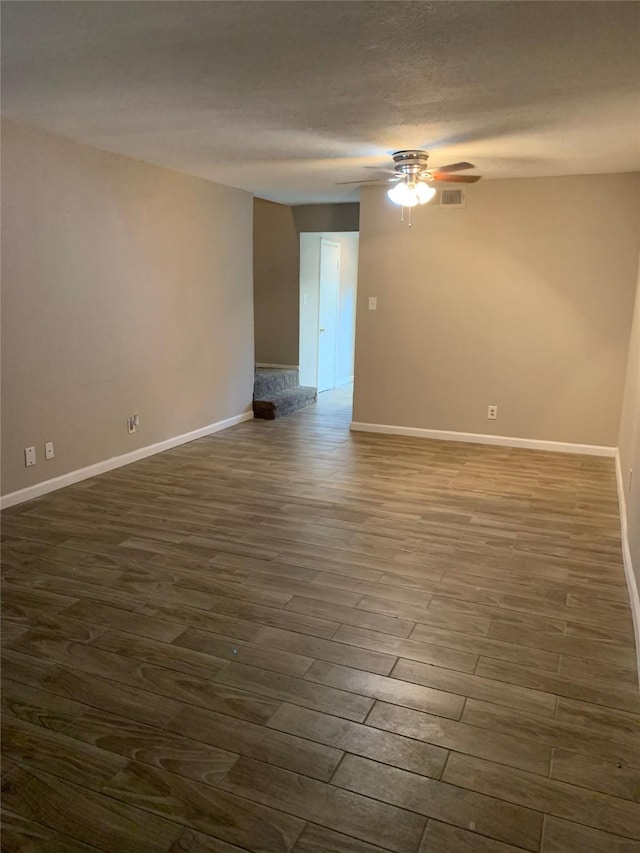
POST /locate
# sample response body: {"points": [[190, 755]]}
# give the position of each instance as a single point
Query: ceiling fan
{"points": [[411, 176]]}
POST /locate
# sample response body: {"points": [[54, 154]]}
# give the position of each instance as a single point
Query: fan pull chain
{"points": [[402, 215]]}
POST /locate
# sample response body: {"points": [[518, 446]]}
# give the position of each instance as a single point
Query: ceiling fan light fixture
{"points": [[407, 195], [424, 192], [402, 195]]}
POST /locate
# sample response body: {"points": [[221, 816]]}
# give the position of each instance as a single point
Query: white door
{"points": [[328, 314]]}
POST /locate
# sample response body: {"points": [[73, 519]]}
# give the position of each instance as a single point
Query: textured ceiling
{"points": [[287, 98]]}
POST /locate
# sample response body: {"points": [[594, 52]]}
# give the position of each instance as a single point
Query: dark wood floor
{"points": [[286, 637]]}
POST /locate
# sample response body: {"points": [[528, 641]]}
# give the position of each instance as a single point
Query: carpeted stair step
{"points": [[268, 380], [279, 403]]}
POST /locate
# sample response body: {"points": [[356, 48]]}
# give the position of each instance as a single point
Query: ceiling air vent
{"points": [[452, 198]]}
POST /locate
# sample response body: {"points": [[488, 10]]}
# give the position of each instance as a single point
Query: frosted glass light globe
{"points": [[402, 195], [424, 192]]}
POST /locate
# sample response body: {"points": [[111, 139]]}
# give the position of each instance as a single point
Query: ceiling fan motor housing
{"points": [[412, 163]]}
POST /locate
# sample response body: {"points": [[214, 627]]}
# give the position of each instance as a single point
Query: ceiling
{"points": [[286, 98]]}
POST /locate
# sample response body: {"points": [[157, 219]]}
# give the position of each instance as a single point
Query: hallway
{"points": [[290, 637]]}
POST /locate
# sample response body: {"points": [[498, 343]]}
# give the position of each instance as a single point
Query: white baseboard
{"points": [[632, 586], [76, 476], [479, 438], [279, 366]]}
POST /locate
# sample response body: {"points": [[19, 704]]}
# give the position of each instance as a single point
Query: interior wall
{"points": [[309, 301], [629, 440], [126, 289], [523, 300], [275, 280], [326, 217]]}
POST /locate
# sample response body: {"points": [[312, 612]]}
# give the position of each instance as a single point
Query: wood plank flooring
{"points": [[286, 638]]}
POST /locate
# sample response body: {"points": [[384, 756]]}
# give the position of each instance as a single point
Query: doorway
{"points": [[328, 283], [328, 296]]}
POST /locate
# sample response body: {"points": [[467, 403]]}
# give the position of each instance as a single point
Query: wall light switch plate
{"points": [[29, 456], [373, 303], [48, 450]]}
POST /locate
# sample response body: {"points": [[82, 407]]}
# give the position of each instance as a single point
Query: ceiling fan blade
{"points": [[455, 167], [456, 179], [367, 181], [396, 177]]}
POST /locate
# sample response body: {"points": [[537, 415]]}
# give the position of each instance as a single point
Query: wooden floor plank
{"points": [[207, 809], [258, 653], [476, 687], [444, 838], [306, 693], [327, 650], [318, 839], [612, 746], [358, 739], [192, 759], [346, 812], [563, 836], [559, 799], [301, 754], [58, 754], [618, 779], [502, 746], [84, 815], [292, 638], [449, 803], [399, 627], [392, 690]]}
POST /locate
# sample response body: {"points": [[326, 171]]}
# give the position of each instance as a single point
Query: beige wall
{"points": [[126, 289], [326, 217], [629, 440], [275, 275], [523, 299]]}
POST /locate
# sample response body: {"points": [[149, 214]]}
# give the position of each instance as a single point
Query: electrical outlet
{"points": [[29, 456], [492, 413], [48, 450], [373, 303], [133, 423]]}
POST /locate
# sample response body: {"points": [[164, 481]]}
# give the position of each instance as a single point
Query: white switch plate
{"points": [[29, 456], [373, 303], [48, 450], [492, 413]]}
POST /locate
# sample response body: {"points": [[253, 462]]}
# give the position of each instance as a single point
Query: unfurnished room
{"points": [[320, 442]]}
